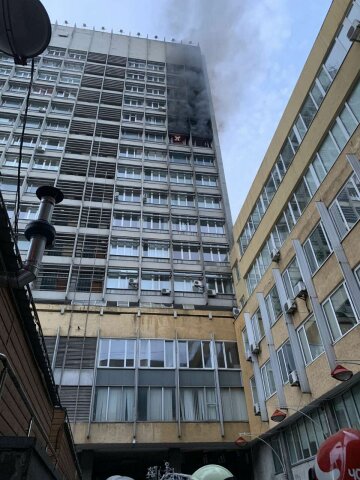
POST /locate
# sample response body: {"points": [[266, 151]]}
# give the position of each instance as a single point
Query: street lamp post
{"points": [[242, 441]]}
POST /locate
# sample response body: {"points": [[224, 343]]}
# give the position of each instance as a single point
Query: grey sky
{"points": [[255, 51]]}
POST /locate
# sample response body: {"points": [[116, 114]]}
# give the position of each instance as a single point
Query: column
{"points": [[272, 351], [256, 369], [317, 309], [293, 338]]}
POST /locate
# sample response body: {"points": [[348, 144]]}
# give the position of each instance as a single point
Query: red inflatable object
{"points": [[338, 457]]}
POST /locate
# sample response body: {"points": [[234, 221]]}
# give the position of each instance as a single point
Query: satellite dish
{"points": [[25, 29], [212, 472]]}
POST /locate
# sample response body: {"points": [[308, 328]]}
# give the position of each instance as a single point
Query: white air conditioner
{"points": [[293, 379], [257, 411], [42, 110], [197, 284], [290, 306], [255, 348], [40, 149], [236, 312], [133, 282], [248, 355], [275, 255], [300, 290], [165, 291], [211, 292], [353, 33]]}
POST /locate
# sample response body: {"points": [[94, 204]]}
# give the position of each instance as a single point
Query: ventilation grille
{"points": [[65, 215], [98, 192], [87, 279], [111, 98], [94, 69], [95, 218], [78, 168], [71, 190], [91, 82], [96, 57], [115, 60], [91, 246], [115, 72], [88, 96], [107, 130], [77, 401], [78, 147], [102, 149], [112, 114], [102, 170], [82, 128], [63, 247], [87, 111]]}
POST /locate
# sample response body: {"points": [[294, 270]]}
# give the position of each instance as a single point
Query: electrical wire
{"points": [[17, 198]]}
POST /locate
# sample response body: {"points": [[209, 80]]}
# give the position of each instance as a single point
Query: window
{"points": [[184, 224], [65, 93], [185, 282], [8, 184], [134, 88], [156, 354], [133, 117], [258, 326], [273, 305], [56, 52], [277, 455], [182, 200], [116, 353], [155, 222], [286, 361], [155, 175], [52, 143], [13, 161], [70, 79], [128, 195], [119, 279], [56, 125], [291, 277], [130, 152], [194, 354], [154, 120], [186, 251], [131, 134], [205, 160], [181, 177], [221, 284], [47, 76], [61, 108], [126, 220], [125, 248], [21, 73], [155, 155], [11, 102], [133, 102], [267, 376], [179, 158], [339, 312], [233, 405], [51, 164], [212, 226], [156, 404], [254, 390], [114, 404], [155, 198], [317, 248], [198, 404], [77, 55], [156, 249], [27, 142], [205, 201], [131, 173], [345, 210], [215, 253], [154, 137], [347, 409], [206, 180], [155, 91], [227, 355], [155, 281], [310, 340]]}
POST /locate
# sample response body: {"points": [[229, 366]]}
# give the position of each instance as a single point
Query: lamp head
{"points": [[341, 373], [278, 416]]}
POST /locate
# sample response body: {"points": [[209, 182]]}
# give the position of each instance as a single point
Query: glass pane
{"points": [[354, 102], [117, 353], [144, 353], [310, 256], [207, 355], [103, 354], [328, 153], [195, 355], [320, 245], [343, 310], [156, 353], [182, 347], [313, 338], [303, 439], [232, 356], [220, 354], [340, 413]]}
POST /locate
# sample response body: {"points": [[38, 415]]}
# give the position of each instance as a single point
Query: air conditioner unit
{"points": [[353, 33], [236, 312], [197, 284], [257, 411], [40, 149], [165, 291], [248, 355], [133, 282], [211, 292], [275, 255], [255, 348], [300, 290], [293, 379], [42, 110], [290, 306]]}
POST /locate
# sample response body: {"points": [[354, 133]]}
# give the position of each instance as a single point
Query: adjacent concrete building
{"points": [[296, 261], [136, 297]]}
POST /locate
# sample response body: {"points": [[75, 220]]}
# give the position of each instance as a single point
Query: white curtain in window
{"points": [[100, 404], [121, 404], [192, 405], [154, 404], [168, 404]]}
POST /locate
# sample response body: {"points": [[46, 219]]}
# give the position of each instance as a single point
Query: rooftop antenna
{"points": [[84, 24]]}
